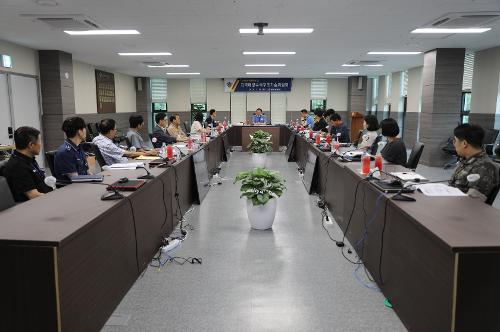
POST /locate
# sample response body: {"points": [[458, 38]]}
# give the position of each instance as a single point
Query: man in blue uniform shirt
{"points": [[70, 160], [259, 118]]}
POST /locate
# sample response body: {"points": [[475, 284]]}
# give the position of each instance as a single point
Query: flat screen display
{"points": [[290, 149], [309, 172], [201, 173]]}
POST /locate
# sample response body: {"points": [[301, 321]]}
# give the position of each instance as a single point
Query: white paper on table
{"points": [[408, 176], [439, 189], [126, 165]]}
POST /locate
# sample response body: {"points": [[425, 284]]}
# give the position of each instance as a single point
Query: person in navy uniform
{"points": [[25, 178], [70, 160], [338, 130], [259, 118]]}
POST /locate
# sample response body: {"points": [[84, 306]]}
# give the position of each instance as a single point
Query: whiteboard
{"points": [[5, 118]]}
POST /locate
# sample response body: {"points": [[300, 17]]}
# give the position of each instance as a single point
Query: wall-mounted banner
{"points": [[257, 84], [105, 90]]}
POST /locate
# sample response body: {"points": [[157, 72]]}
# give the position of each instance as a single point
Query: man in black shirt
{"points": [[338, 130], [24, 176], [210, 121], [320, 123], [160, 131], [395, 150]]}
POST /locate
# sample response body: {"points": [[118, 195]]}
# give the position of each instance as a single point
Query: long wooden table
{"points": [[437, 259], [69, 258]]}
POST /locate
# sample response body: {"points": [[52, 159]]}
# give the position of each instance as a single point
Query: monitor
{"points": [[290, 149], [310, 172], [201, 174]]}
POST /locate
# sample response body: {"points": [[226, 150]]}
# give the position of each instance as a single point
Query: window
{"points": [[468, 71], [374, 95], [158, 97], [198, 107], [404, 82], [465, 110], [319, 90]]}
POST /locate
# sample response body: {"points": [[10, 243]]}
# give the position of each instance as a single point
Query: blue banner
{"points": [[258, 85]]}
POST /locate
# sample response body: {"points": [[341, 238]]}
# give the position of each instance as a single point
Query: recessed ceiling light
{"points": [[263, 73], [349, 65], [341, 73], [169, 66], [393, 53], [46, 3], [273, 31], [269, 53], [377, 65], [266, 65], [145, 53], [183, 73], [446, 30], [101, 32]]}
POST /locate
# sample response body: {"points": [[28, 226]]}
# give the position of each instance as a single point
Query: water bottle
{"points": [[225, 123], [163, 152]]}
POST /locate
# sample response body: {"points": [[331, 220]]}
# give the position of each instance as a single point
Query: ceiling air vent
{"points": [[65, 22], [364, 62], [464, 20]]}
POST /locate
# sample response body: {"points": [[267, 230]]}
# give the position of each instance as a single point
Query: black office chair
{"points": [[127, 141], [98, 156], [187, 130], [49, 157], [374, 147], [415, 154], [6, 199], [493, 195]]}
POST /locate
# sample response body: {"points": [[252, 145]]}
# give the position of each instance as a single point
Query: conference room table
{"points": [[437, 259], [69, 258]]}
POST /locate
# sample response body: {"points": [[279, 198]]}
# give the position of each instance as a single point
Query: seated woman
{"points": [[395, 150], [370, 126], [476, 175], [196, 127]]}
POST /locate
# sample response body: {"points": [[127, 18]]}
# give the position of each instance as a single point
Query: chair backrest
{"points": [[127, 141], [490, 136], [415, 154], [493, 195], [49, 157], [374, 147], [155, 145], [6, 199], [99, 157], [187, 130], [2, 164]]}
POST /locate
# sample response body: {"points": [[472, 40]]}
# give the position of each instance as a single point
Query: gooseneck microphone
{"points": [[148, 176]]}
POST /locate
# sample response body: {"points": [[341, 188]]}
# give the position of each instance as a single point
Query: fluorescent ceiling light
{"points": [[266, 65], [378, 65], [269, 53], [183, 73], [341, 73], [101, 32], [349, 65], [270, 30], [169, 66], [144, 53], [451, 30], [394, 53], [263, 73]]}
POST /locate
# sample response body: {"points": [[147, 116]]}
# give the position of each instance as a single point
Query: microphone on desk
{"points": [[148, 176], [112, 193]]}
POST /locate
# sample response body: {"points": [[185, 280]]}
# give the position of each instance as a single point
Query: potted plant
{"points": [[261, 188], [260, 146]]}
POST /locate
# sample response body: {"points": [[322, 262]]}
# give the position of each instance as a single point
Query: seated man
{"points": [[395, 150], [337, 127], [174, 129], [160, 131], [137, 124], [476, 175], [320, 123], [210, 121], [24, 176], [70, 160], [306, 120], [259, 118], [111, 153]]}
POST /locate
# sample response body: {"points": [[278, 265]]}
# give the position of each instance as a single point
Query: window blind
{"points": [[319, 88], [198, 90], [468, 71], [159, 90]]}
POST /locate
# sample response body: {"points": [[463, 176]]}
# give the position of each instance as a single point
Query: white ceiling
{"points": [[204, 33]]}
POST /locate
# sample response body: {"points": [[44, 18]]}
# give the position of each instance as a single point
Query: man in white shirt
{"points": [[111, 153]]}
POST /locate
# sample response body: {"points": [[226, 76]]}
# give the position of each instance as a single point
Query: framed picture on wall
{"points": [[105, 91]]}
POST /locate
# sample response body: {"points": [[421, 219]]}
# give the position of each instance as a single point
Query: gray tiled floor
{"points": [[292, 278]]}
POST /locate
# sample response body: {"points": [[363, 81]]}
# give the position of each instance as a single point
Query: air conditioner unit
{"points": [[76, 22]]}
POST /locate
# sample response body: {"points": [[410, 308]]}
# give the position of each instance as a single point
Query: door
{"points": [[6, 133]]}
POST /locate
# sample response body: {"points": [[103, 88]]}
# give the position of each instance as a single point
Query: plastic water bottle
{"points": [[163, 152], [225, 123]]}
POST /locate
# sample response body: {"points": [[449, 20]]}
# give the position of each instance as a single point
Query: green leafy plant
{"points": [[258, 145], [260, 185], [260, 134]]}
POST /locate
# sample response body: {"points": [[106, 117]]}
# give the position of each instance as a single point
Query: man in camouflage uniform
{"points": [[476, 175]]}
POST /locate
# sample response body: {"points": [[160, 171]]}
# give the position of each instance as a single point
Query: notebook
{"points": [[86, 178], [130, 185]]}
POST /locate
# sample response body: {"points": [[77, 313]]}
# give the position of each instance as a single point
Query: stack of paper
{"points": [[439, 189], [124, 166], [408, 176]]}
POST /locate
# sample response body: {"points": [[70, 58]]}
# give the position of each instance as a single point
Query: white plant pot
{"points": [[259, 159], [262, 216]]}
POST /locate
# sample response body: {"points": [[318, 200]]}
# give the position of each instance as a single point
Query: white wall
{"points": [[382, 100], [485, 82], [337, 94], [259, 100], [395, 96], [414, 101], [178, 99], [85, 90], [216, 97], [24, 60], [300, 96]]}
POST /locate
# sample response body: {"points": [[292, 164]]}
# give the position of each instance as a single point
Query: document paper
{"points": [[439, 189]]}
